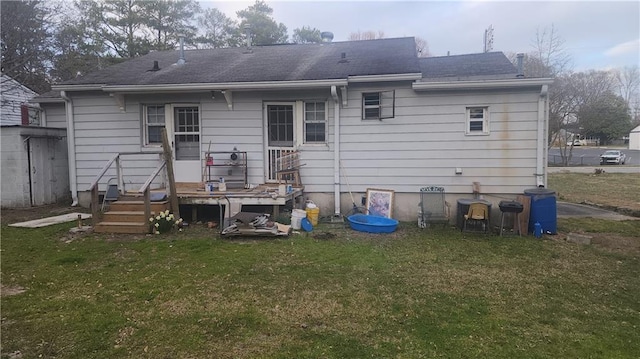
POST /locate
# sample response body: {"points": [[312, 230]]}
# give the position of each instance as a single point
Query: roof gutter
{"points": [[385, 78], [476, 85], [92, 87], [71, 146], [263, 85], [260, 85], [47, 100]]}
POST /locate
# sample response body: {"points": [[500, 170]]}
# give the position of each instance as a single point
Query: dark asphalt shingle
{"points": [[298, 62], [264, 63], [471, 65]]}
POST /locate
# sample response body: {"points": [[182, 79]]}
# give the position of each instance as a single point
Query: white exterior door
{"points": [[280, 134], [184, 131], [41, 155]]}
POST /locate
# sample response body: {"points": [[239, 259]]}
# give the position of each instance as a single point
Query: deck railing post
{"points": [[120, 175], [168, 157], [95, 213], [147, 205]]}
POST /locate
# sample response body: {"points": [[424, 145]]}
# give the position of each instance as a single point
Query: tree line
{"points": [[51, 41], [600, 104]]}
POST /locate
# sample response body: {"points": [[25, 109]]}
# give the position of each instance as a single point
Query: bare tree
{"points": [[422, 47], [366, 35], [571, 96], [628, 84], [550, 57]]}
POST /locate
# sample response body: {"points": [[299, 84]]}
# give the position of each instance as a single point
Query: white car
{"points": [[613, 156], [577, 143]]}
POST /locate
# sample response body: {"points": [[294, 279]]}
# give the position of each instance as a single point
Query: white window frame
{"points": [[484, 120], [324, 121], [145, 124], [386, 105]]}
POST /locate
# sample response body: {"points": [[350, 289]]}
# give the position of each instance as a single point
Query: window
{"points": [[153, 124], [477, 121], [187, 133], [378, 105], [315, 122], [280, 122]]}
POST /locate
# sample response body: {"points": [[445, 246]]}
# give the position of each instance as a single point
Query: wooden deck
{"points": [[235, 198]]}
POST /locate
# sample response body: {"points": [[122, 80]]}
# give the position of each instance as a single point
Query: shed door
{"points": [[41, 157], [280, 134]]}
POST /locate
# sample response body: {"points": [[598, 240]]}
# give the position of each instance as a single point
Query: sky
{"points": [[597, 34]]}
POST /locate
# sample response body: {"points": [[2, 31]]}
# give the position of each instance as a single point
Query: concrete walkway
{"points": [[572, 210]]}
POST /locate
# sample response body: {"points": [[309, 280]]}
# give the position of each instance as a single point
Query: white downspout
{"points": [[71, 148], [336, 150], [541, 140], [43, 117]]}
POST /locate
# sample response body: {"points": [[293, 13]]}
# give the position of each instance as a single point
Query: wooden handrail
{"points": [[93, 189], [95, 197], [103, 171], [153, 176], [146, 190]]}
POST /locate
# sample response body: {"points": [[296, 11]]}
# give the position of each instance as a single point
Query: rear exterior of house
{"points": [[366, 114]]}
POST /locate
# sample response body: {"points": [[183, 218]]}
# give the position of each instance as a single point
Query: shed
{"points": [[35, 168], [634, 139]]}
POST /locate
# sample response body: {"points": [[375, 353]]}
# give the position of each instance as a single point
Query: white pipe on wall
{"points": [[71, 148], [541, 136], [336, 150]]}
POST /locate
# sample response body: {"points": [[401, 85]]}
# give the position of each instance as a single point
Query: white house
{"points": [[371, 110], [13, 98]]}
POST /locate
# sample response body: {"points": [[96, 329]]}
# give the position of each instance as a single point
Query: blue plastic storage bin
{"points": [[543, 210]]}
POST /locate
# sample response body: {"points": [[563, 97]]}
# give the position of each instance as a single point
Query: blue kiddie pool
{"points": [[372, 224]]}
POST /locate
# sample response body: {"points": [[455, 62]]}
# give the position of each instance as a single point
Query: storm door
{"points": [[186, 143], [280, 134]]}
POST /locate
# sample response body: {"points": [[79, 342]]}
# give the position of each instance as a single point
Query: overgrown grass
{"points": [[412, 294], [621, 190]]}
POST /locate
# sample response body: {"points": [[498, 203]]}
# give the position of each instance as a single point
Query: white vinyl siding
{"points": [[56, 114], [315, 122], [101, 131], [427, 140], [477, 121], [423, 144]]}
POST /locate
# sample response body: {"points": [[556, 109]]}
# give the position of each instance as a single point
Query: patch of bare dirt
{"points": [[617, 243], [6, 291]]}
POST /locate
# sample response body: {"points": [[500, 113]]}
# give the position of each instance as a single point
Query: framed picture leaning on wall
{"points": [[380, 202]]}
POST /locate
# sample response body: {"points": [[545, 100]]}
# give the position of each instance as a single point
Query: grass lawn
{"points": [[410, 294], [615, 190]]}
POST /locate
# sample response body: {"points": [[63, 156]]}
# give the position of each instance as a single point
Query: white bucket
{"points": [[296, 217]]}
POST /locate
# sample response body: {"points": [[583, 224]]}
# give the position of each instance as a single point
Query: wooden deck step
{"points": [[128, 205], [122, 227], [125, 216]]}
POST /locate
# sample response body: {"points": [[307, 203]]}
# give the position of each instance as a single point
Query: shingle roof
{"points": [[488, 65], [264, 63]]}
